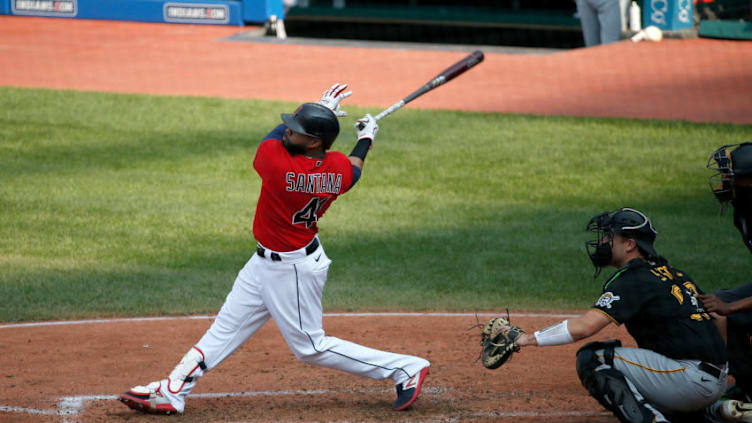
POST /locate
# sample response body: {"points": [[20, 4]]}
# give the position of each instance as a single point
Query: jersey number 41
{"points": [[308, 215]]}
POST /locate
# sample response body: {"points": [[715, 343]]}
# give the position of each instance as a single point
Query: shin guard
{"points": [[611, 388], [185, 374]]}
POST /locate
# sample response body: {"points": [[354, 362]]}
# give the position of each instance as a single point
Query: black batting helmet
{"points": [[314, 120]]}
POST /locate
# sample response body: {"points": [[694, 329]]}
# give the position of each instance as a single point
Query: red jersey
{"points": [[295, 192]]}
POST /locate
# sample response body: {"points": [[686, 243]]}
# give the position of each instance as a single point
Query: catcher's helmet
{"points": [[731, 167], [314, 120], [626, 222]]}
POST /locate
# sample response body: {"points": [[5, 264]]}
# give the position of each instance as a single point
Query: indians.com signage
{"points": [[668, 14], [44, 7], [171, 12], [196, 13]]}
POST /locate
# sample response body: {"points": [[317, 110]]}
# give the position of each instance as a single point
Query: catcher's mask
{"points": [[626, 222], [314, 120]]}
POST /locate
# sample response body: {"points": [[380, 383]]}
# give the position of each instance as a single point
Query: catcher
{"points": [[680, 363]]}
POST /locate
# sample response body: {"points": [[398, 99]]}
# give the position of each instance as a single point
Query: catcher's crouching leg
{"points": [[610, 387]]}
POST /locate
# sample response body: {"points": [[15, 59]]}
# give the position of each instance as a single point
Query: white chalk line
{"points": [[173, 318], [71, 407], [22, 410]]}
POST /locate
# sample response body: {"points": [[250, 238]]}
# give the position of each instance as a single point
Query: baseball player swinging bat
{"points": [[447, 75]]}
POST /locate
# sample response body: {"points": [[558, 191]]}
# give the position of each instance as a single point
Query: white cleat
{"points": [[148, 399]]}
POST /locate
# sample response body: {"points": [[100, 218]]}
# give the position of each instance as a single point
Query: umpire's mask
{"points": [[732, 183]]}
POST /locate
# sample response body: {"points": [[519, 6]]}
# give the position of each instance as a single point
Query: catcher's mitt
{"points": [[499, 341]]}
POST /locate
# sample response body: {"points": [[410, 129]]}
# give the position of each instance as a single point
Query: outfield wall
{"points": [[211, 12]]}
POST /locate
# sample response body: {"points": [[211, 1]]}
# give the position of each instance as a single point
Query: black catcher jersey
{"points": [[659, 306]]}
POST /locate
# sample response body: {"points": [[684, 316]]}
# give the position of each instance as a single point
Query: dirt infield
{"points": [[71, 373]]}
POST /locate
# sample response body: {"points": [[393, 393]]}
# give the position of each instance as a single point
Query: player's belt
{"points": [[309, 249], [710, 369]]}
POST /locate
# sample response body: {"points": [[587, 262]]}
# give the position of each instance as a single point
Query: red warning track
{"points": [[700, 80]]}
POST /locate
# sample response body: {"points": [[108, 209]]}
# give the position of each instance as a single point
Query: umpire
{"points": [[680, 363], [732, 183]]}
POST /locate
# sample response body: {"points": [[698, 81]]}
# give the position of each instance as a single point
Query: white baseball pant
{"points": [[290, 292]]}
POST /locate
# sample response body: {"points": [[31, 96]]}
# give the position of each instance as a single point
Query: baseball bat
{"points": [[447, 75]]}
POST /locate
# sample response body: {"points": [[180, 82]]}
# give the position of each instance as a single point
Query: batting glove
{"points": [[333, 96], [366, 127]]}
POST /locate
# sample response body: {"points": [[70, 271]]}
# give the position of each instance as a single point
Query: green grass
{"points": [[140, 205]]}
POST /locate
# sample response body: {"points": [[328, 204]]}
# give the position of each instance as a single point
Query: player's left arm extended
{"points": [[356, 162], [365, 129], [567, 331]]}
